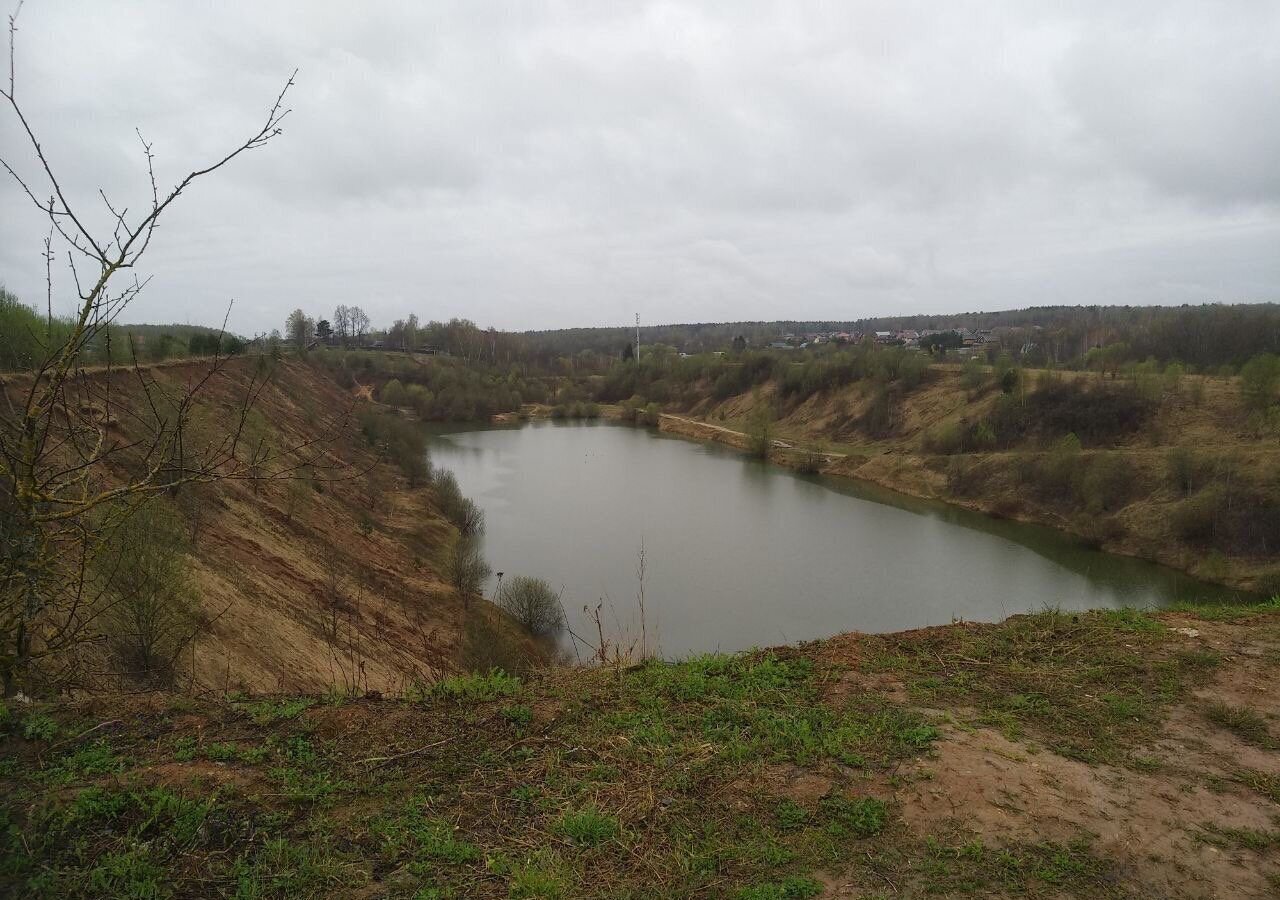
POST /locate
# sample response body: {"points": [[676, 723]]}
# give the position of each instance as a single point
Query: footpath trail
{"points": [[778, 443]]}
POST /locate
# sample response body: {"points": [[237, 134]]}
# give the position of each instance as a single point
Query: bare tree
{"points": [[359, 324], [342, 324], [81, 451], [466, 568]]}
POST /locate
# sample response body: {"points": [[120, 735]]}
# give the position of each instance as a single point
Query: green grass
{"points": [[265, 712], [281, 868], [1227, 612], [97, 758], [1031, 870], [863, 817], [588, 827], [478, 687], [39, 727], [667, 779], [518, 714], [539, 877], [794, 888]]}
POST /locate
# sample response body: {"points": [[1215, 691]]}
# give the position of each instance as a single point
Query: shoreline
{"points": [[907, 474]]}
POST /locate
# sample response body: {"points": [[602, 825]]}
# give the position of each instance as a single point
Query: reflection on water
{"points": [[740, 553]]}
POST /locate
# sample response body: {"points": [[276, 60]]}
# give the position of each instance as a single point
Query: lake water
{"points": [[740, 553]]}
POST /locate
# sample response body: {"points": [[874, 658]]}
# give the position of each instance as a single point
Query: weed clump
{"points": [[477, 687], [1245, 723], [589, 827]]}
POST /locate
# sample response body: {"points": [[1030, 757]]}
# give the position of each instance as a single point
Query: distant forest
{"points": [[1207, 336]]}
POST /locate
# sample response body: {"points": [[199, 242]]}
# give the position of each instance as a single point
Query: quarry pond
{"points": [[739, 553]]}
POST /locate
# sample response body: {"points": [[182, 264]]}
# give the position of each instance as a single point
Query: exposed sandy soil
{"points": [[1162, 827], [307, 584]]}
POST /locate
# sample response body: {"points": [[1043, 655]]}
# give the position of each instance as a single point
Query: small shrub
{"points": [[519, 715], [489, 644], [812, 459], [760, 429], [1268, 585], [532, 603], [393, 393], [39, 727], [1260, 382], [1107, 482], [466, 567], [1184, 469]]}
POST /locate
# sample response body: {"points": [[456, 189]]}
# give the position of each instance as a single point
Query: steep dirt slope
{"points": [[326, 578]]}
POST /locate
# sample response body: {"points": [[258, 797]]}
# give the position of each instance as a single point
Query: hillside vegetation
{"points": [[1183, 469]]}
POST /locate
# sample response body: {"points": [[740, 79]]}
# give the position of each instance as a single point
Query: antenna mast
{"points": [[637, 339]]}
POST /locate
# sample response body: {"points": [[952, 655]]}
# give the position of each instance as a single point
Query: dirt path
{"points": [[779, 444]]}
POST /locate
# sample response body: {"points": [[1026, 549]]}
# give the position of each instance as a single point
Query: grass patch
{"points": [[1225, 611], [284, 868], [477, 687], [758, 707], [1245, 723], [1260, 782], [794, 888], [862, 817], [108, 842], [1027, 869], [653, 781], [265, 712], [1090, 685], [588, 827], [1247, 838], [518, 714], [539, 877], [95, 759]]}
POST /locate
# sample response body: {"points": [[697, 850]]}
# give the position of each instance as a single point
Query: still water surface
{"points": [[741, 554]]}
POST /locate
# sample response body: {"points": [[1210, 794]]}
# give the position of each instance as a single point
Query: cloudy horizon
{"points": [[534, 166]]}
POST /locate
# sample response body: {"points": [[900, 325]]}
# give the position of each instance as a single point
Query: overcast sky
{"points": [[538, 165]]}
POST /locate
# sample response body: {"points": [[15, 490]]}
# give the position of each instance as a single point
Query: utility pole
{"points": [[637, 339]]}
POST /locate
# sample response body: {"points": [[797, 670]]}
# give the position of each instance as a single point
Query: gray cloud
{"points": [[535, 165]]}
